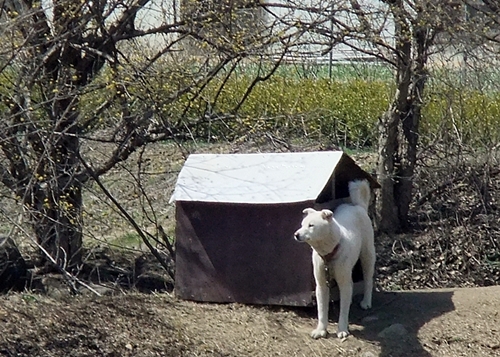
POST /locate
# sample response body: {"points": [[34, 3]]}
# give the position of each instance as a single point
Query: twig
{"points": [[166, 241], [438, 189], [127, 216]]}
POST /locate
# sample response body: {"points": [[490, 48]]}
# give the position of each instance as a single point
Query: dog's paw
{"points": [[342, 334], [318, 333], [365, 305]]}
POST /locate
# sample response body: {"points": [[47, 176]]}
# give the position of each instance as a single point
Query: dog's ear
{"points": [[327, 214], [306, 211]]}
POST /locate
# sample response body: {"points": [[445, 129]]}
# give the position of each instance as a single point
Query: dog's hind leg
{"points": [[368, 265]]}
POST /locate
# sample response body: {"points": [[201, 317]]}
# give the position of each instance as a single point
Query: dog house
{"points": [[235, 219]]}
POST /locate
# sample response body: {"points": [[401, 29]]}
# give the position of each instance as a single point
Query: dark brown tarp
{"points": [[242, 253]]}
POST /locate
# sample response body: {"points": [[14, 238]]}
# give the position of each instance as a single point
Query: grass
{"points": [[300, 105], [337, 71], [128, 240]]}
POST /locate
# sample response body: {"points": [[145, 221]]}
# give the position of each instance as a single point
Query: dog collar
{"points": [[329, 257]]}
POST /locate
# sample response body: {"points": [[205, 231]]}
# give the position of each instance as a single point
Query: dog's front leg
{"points": [[322, 298], [344, 282]]}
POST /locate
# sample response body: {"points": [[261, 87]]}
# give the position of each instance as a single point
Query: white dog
{"points": [[338, 240]]}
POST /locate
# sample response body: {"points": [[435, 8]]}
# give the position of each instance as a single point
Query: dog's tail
{"points": [[360, 193]]}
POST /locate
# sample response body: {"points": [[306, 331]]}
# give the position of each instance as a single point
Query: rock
{"points": [[369, 318], [13, 268], [395, 330]]}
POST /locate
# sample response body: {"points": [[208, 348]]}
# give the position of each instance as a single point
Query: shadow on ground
{"points": [[391, 328], [396, 318]]}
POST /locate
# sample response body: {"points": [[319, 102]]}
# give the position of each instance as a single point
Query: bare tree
{"points": [[426, 35], [115, 73], [415, 29], [401, 34], [126, 73]]}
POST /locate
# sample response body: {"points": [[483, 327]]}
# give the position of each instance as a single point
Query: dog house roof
{"points": [[255, 178]]}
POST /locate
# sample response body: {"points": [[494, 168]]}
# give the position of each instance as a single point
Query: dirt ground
{"points": [[446, 322], [454, 242]]}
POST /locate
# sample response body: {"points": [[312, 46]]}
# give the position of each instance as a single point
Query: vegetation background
{"points": [[102, 101]]}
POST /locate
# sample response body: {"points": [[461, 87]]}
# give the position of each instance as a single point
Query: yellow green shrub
{"points": [[345, 109], [464, 114], [294, 106]]}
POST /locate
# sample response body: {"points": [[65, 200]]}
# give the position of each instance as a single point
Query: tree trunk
{"points": [[57, 206], [387, 148], [389, 135], [397, 158], [56, 198], [407, 158], [57, 221], [410, 122], [398, 129]]}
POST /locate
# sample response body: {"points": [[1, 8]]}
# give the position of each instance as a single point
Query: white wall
{"points": [[375, 9], [281, 15]]}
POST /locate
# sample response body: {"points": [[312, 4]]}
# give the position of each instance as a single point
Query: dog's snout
{"points": [[297, 236]]}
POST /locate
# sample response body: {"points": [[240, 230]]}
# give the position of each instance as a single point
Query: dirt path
{"points": [[459, 322]]}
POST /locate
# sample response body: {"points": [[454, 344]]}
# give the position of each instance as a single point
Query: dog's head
{"points": [[315, 225]]}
